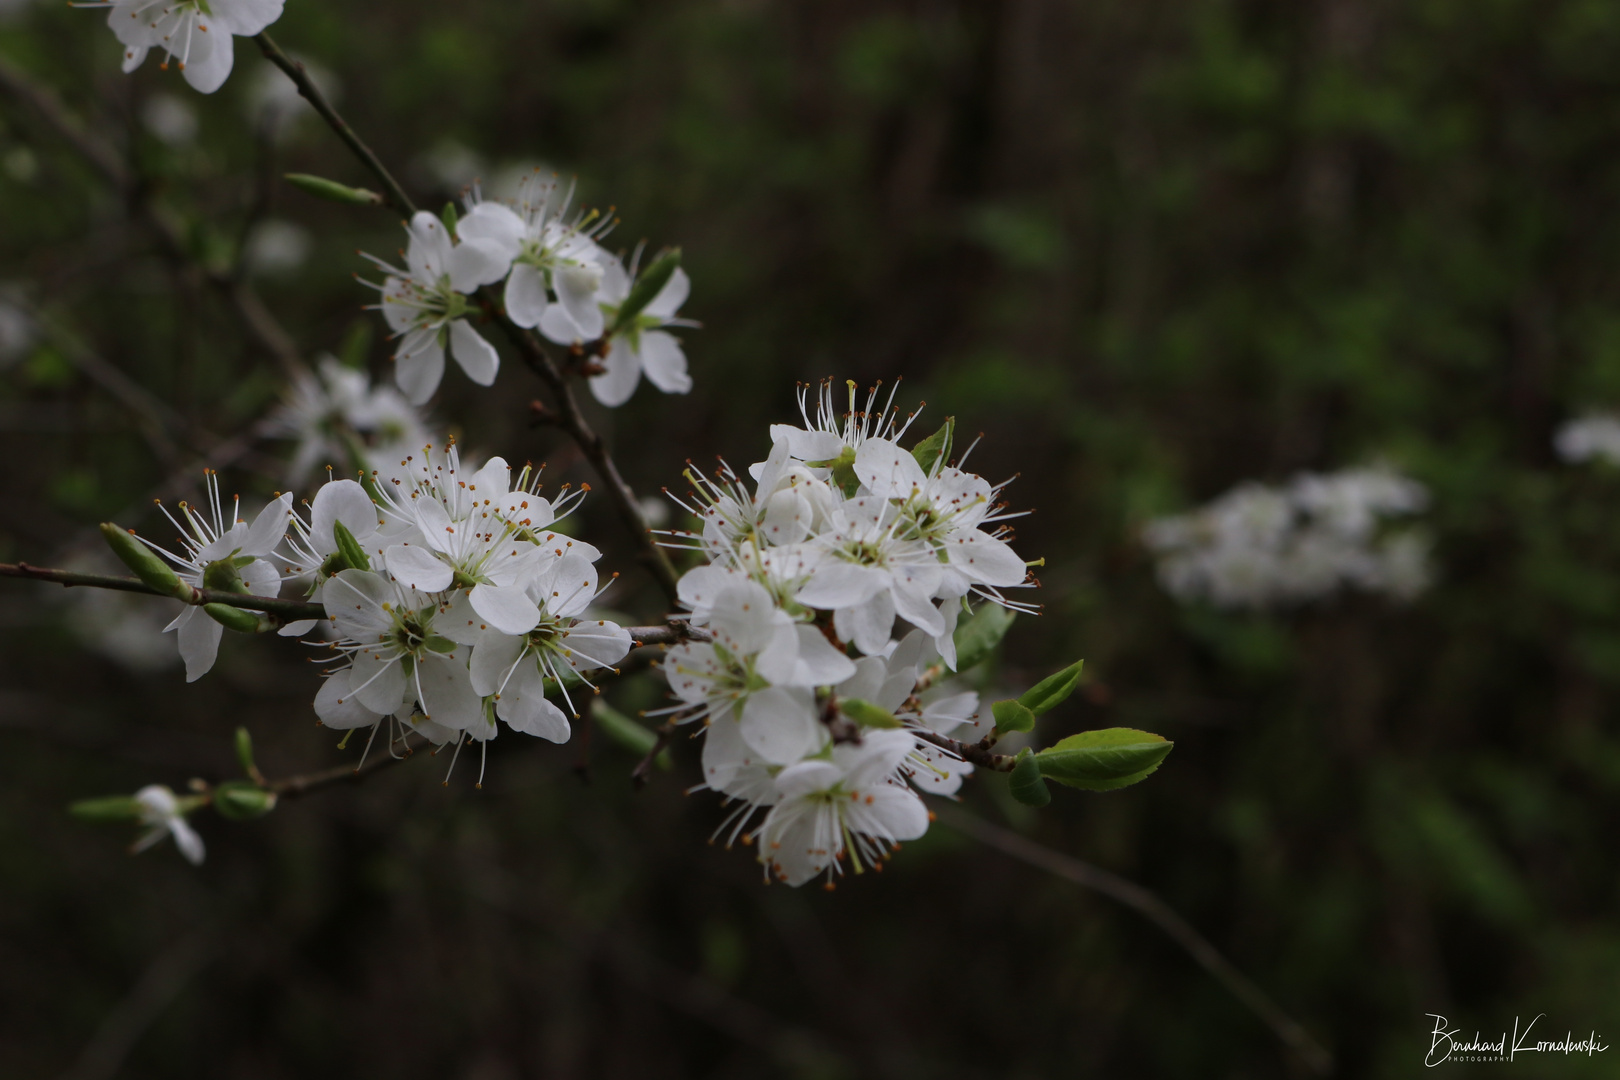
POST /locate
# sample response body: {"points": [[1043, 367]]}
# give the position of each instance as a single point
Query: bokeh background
{"points": [[1149, 248]]}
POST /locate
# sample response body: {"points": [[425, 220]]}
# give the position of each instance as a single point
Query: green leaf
{"points": [[107, 808], [937, 447], [1026, 784], [224, 575], [322, 188], [647, 286], [634, 737], [243, 800], [441, 645], [1012, 716], [1104, 760], [448, 216], [146, 564], [238, 619], [977, 638], [353, 554], [1051, 691], [867, 714]]}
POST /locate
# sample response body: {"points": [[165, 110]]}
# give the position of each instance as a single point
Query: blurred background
{"points": [[1151, 249]]}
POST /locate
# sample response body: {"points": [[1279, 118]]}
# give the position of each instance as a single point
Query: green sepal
{"points": [[1025, 783], [353, 554], [1012, 716], [438, 644], [935, 449], [243, 800], [238, 619], [843, 471], [1104, 760], [647, 286], [867, 714], [146, 564], [1050, 691], [449, 217], [244, 751], [977, 638], [224, 575], [107, 808], [322, 188], [634, 737]]}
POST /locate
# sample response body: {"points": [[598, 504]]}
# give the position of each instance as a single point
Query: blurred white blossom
{"points": [[336, 415], [1259, 546], [1593, 436], [169, 119], [277, 247]]}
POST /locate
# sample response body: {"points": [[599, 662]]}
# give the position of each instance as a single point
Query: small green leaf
{"points": [[353, 554], [107, 808], [977, 638], [224, 575], [867, 714], [634, 737], [1025, 784], [438, 644], [936, 448], [1011, 716], [146, 564], [244, 751], [243, 800], [647, 286], [448, 216], [1051, 691], [1104, 760], [322, 188], [238, 619]]}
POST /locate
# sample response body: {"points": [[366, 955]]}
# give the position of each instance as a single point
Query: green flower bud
{"points": [[867, 714], [238, 619], [648, 285], [322, 188], [240, 800], [146, 563], [107, 808]]}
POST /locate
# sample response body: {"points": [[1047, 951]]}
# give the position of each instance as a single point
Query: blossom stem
{"points": [[284, 607], [311, 93]]}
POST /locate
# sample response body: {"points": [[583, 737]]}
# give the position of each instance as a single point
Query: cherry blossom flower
{"points": [[160, 813], [642, 347], [197, 34]]}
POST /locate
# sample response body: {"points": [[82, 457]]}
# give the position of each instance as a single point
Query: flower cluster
{"points": [[1596, 436], [453, 600], [1259, 546], [810, 692], [559, 280]]}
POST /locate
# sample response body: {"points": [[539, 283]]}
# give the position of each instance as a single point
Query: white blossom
{"points": [[160, 813], [425, 305], [337, 415], [221, 551], [1593, 437], [643, 346], [197, 34]]}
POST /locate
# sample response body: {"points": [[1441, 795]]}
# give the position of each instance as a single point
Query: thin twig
{"points": [[643, 770], [1162, 915], [312, 94], [291, 787], [977, 753]]}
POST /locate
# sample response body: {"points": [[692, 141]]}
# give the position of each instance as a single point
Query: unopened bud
{"points": [[353, 554], [240, 800], [238, 619], [152, 570], [867, 714], [322, 188]]}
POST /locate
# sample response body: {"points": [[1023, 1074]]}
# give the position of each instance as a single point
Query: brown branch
{"points": [[571, 419], [291, 787], [1162, 915], [976, 753], [312, 94], [643, 770]]}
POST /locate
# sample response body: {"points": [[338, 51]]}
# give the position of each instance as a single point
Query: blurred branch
{"points": [[977, 753], [1162, 915], [113, 167], [312, 94], [103, 1057]]}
